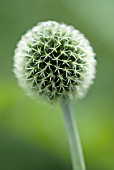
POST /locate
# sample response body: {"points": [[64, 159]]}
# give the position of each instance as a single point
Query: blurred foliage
{"points": [[32, 134]]}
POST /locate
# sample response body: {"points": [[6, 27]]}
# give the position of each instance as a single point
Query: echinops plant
{"points": [[56, 63]]}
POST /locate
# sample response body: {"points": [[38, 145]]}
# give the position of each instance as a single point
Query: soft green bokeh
{"points": [[32, 135]]}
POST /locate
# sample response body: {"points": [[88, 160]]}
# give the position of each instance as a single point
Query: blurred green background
{"points": [[32, 135]]}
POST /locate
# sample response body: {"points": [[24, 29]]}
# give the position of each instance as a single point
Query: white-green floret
{"points": [[54, 61]]}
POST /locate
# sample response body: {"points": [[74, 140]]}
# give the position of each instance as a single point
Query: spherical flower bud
{"points": [[54, 61]]}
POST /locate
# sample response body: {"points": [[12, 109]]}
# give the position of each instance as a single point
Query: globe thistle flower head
{"points": [[54, 61]]}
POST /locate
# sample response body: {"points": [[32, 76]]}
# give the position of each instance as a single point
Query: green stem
{"points": [[73, 137]]}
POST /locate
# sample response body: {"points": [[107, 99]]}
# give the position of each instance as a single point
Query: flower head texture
{"points": [[54, 61]]}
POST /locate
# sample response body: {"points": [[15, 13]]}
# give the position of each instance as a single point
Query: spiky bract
{"points": [[55, 61]]}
